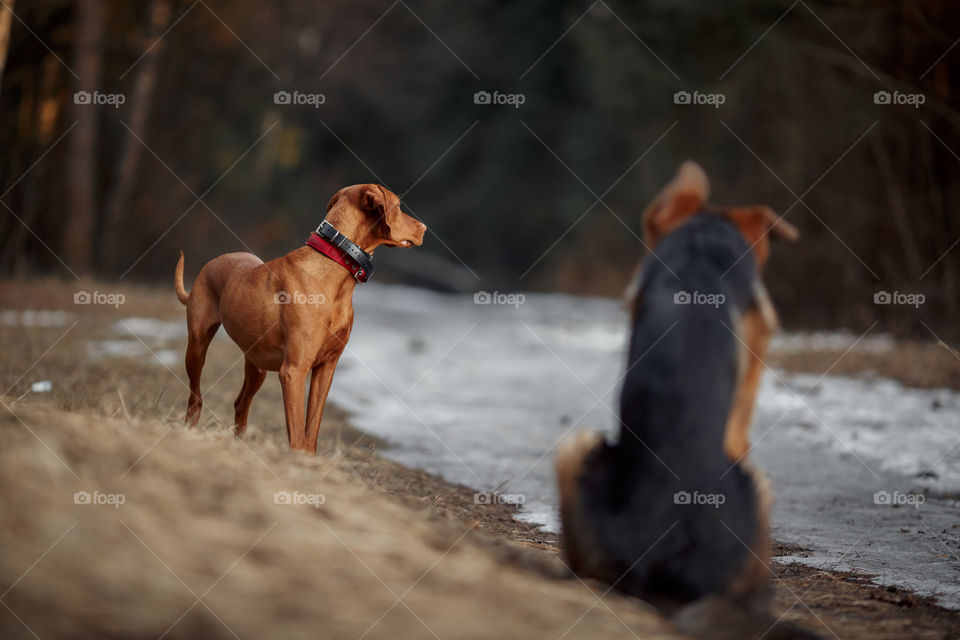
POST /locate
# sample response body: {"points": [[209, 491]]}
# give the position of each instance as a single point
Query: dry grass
{"points": [[200, 548]]}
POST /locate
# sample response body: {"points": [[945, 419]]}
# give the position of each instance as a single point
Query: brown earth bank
{"points": [[217, 537], [923, 365]]}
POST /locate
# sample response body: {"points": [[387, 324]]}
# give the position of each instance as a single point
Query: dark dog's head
{"points": [[682, 199], [370, 215], [686, 196]]}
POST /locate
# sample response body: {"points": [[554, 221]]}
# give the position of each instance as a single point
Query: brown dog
{"points": [[293, 314]]}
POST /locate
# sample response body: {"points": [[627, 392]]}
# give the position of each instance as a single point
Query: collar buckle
{"points": [[362, 267]]}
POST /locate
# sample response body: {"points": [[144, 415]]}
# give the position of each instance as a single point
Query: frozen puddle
{"points": [[481, 394], [879, 422]]}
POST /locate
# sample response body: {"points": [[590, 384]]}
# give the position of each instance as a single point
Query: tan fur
{"points": [[755, 330], [756, 570], [571, 453], [683, 197]]}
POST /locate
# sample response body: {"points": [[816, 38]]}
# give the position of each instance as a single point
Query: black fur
{"points": [[676, 397]]}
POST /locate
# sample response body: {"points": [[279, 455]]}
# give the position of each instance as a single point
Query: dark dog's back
{"points": [[674, 520]]}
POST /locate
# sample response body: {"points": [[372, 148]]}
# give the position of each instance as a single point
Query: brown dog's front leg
{"points": [[293, 379], [320, 382]]}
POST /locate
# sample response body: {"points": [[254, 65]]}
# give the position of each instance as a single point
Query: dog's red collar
{"points": [[326, 247]]}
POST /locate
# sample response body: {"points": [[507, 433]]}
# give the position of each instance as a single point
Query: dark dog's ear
{"points": [[758, 224], [780, 229], [684, 196]]}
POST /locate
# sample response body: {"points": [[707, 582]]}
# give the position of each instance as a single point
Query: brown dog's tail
{"points": [[182, 294]]}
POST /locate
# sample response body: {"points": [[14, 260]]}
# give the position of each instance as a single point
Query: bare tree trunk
{"points": [[898, 207], [6, 18], [40, 109], [120, 201], [82, 163]]}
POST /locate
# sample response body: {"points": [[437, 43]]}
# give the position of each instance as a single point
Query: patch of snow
{"points": [[32, 319]]}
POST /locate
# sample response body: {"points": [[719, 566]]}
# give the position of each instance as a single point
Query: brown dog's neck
{"points": [[317, 265], [361, 232]]}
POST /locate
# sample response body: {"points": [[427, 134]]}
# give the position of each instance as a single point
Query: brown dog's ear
{"points": [[376, 201], [758, 224], [372, 200], [684, 196], [334, 199]]}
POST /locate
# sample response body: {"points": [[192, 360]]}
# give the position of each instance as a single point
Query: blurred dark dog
{"points": [[672, 512]]}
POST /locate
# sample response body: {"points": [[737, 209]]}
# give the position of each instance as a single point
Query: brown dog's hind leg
{"points": [[198, 339], [253, 377]]}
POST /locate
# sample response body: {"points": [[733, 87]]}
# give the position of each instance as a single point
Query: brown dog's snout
{"points": [[410, 233], [421, 230]]}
